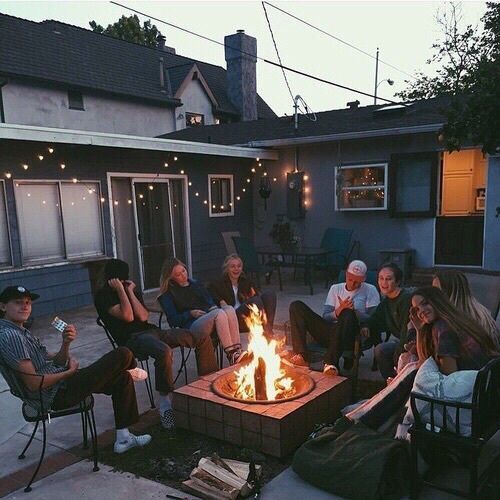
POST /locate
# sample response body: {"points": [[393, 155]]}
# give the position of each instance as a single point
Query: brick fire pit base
{"points": [[274, 429]]}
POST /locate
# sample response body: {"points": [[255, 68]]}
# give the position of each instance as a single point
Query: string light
{"points": [[75, 180], [248, 180], [257, 159], [175, 158], [40, 157], [306, 177], [25, 166], [260, 164], [8, 175], [151, 187], [205, 202], [63, 166], [265, 174], [238, 198], [190, 183], [50, 150], [102, 200], [43, 202], [253, 170], [115, 203], [244, 190], [197, 194], [165, 164], [141, 196], [90, 190], [274, 179], [182, 172]]}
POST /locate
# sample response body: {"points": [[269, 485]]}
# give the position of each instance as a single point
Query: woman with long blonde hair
{"points": [[455, 285], [187, 304], [453, 339]]}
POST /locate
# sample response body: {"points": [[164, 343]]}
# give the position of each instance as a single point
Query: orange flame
{"points": [[260, 348]]}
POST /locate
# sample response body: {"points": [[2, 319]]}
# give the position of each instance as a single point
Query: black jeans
{"points": [[108, 375], [266, 301], [336, 337], [159, 344]]}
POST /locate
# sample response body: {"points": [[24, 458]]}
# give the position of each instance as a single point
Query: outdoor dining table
{"points": [[306, 257]]}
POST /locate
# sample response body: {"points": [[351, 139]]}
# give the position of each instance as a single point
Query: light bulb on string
{"points": [[190, 183], [25, 166], [205, 202], [244, 190], [8, 175], [129, 202], [248, 180], [197, 194], [115, 203], [165, 164], [274, 179], [151, 187], [103, 199], [238, 198], [75, 180], [50, 150], [63, 166], [253, 170], [175, 158], [40, 157], [257, 159], [182, 172]]}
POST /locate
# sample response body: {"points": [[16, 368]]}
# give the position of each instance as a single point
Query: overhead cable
{"points": [[273, 63]]}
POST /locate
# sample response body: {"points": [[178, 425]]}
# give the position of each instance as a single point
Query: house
{"points": [[61, 76], [382, 171], [82, 177]]}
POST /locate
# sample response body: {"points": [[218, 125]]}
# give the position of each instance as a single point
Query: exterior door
{"points": [[155, 232]]}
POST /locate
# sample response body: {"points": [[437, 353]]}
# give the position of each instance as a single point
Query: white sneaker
{"points": [[138, 374], [131, 442]]}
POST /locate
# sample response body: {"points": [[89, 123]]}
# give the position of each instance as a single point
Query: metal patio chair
{"points": [[34, 411]]}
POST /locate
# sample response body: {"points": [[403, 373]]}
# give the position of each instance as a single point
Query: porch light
{"points": [[63, 166], [25, 166]]}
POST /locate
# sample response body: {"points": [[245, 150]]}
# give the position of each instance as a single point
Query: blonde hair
{"points": [[229, 258], [455, 285], [166, 272]]}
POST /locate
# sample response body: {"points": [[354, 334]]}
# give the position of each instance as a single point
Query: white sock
{"points": [[165, 402], [122, 435]]}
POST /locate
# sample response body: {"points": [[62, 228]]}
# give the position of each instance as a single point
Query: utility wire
{"points": [[273, 63], [277, 52], [338, 39]]}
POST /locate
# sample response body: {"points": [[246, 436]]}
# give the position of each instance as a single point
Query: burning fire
{"points": [[263, 378]]}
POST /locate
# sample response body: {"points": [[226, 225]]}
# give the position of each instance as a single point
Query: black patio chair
{"points": [[34, 411], [438, 435]]}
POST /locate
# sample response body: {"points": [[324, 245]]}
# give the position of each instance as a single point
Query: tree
{"points": [[470, 74], [130, 29]]}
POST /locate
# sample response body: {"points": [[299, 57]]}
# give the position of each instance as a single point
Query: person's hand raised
{"points": [[416, 321], [69, 334], [116, 284]]}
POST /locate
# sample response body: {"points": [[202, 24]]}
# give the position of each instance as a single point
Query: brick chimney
{"points": [[160, 40], [241, 78]]}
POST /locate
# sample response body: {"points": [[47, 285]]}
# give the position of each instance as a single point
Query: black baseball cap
{"points": [[16, 292]]}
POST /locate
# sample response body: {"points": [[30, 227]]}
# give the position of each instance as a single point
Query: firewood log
{"points": [[206, 480]]}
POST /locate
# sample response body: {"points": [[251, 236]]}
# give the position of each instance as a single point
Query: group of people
{"points": [[443, 321]]}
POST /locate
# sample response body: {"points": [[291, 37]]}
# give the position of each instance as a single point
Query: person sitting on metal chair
{"points": [[348, 306], [58, 376], [121, 308]]}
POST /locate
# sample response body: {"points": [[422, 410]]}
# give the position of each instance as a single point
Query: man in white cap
{"points": [[347, 307]]}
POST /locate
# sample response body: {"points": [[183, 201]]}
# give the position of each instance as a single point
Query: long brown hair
{"points": [[166, 272], [455, 285], [458, 321]]}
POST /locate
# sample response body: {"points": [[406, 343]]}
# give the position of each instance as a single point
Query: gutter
{"points": [[82, 137], [295, 141]]}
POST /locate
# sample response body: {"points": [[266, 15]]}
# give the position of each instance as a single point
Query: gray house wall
{"points": [[492, 216], [66, 285], [375, 230], [194, 100]]}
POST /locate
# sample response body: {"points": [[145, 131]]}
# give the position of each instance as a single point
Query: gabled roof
{"points": [[62, 54], [425, 115]]}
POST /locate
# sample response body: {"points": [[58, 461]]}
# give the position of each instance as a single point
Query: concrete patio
{"points": [[65, 472]]}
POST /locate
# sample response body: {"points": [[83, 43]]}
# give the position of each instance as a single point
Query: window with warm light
{"points": [[194, 120], [59, 220], [5, 256], [361, 187], [221, 194]]}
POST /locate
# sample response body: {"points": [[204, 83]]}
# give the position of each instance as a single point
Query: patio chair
{"points": [[143, 360], [338, 244], [248, 253], [432, 431], [34, 411]]}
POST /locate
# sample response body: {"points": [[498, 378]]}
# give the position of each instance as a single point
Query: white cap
{"points": [[357, 267]]}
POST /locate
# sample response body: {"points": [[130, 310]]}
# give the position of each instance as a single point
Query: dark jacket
{"points": [[223, 290], [178, 302]]}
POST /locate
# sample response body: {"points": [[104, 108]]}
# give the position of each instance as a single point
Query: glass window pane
{"points": [[221, 196], [413, 186], [39, 222], [82, 219], [361, 187], [4, 233]]}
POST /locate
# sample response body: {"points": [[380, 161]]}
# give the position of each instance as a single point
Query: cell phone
{"points": [[59, 324]]}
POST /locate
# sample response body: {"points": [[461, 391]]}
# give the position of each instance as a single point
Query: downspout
{"points": [[2, 112]]}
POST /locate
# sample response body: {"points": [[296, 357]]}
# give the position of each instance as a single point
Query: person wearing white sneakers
{"points": [[62, 383], [347, 307]]}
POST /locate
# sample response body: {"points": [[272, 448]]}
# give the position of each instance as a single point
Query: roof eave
{"points": [[292, 141]]}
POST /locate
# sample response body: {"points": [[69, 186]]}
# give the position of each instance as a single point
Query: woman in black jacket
{"points": [[235, 289]]}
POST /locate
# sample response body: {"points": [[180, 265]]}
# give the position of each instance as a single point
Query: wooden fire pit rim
{"points": [[307, 383]]}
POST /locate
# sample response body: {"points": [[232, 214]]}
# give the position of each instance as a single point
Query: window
{"points": [[413, 185], [220, 193], [194, 120], [361, 187], [75, 100], [59, 220], [5, 259]]}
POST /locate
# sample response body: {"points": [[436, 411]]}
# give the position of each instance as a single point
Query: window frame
{"points": [[395, 161], [189, 114], [70, 98], [10, 264], [338, 188], [231, 203], [65, 258]]}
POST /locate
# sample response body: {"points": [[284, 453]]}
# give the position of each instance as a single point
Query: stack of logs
{"points": [[216, 478]]}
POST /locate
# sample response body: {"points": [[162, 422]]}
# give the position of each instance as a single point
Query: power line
{"points": [[273, 63], [276, 49], [338, 39]]}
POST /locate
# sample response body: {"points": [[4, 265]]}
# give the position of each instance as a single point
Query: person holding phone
{"points": [[62, 382]]}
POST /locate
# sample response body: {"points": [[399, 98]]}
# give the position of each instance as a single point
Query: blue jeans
{"points": [[384, 354]]}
